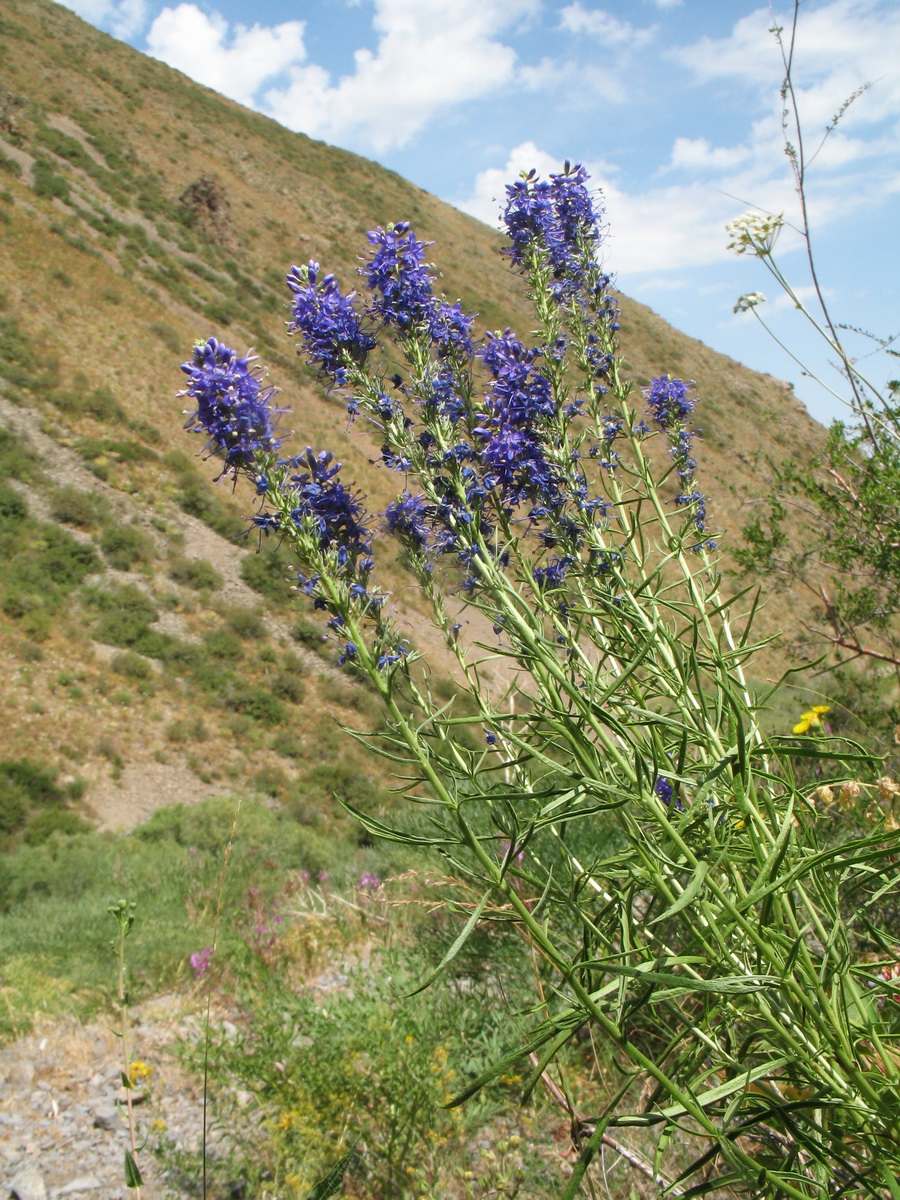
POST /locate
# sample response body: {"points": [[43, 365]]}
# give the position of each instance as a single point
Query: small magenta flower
{"points": [[368, 882], [200, 961]]}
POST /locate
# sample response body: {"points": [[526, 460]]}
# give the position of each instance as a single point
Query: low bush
{"points": [[76, 507], [195, 573], [126, 545], [268, 574]]}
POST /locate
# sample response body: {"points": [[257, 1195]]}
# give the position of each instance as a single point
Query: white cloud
{"points": [[123, 18], [234, 61], [423, 64], [842, 45], [697, 154], [603, 26]]}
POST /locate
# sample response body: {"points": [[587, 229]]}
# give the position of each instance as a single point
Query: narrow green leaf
{"points": [[333, 1181], [379, 829], [714, 1095], [132, 1174], [455, 948], [690, 893]]}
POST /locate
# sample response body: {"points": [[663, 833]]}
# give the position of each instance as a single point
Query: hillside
{"points": [[150, 655]]}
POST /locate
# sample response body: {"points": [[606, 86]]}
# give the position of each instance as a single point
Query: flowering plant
{"points": [[621, 806]]}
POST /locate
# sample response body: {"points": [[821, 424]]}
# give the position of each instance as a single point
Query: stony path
{"points": [[62, 1132]]}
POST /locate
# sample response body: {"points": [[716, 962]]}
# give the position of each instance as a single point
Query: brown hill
{"points": [[139, 211]]}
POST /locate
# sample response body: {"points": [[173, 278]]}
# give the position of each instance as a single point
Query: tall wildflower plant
{"points": [[689, 905], [841, 545]]}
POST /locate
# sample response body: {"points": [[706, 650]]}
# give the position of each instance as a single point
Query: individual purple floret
{"points": [[332, 334], [669, 401], [233, 407]]}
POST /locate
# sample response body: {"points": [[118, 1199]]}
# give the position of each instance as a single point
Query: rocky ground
{"points": [[63, 1130]]}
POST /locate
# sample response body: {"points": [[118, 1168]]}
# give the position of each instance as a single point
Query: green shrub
{"points": [[58, 821], [18, 459], [131, 665], [257, 703], [76, 507], [47, 183], [13, 505], [37, 783], [124, 616], [169, 337], [245, 622], [223, 645], [125, 545], [9, 165], [197, 499], [196, 573], [266, 574], [310, 633], [13, 807], [288, 685]]}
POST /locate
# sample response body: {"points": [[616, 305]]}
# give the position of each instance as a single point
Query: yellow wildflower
{"points": [[138, 1072]]}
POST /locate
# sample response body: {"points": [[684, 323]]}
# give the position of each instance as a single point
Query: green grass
{"points": [[54, 932]]}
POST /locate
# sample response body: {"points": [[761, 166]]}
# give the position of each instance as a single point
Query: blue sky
{"points": [[672, 105]]}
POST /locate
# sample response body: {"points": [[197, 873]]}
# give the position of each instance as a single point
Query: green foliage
{"points": [[125, 545], [44, 564], [267, 573], [366, 1066], [123, 616], [54, 948], [245, 622], [18, 459], [85, 510], [22, 364], [132, 666], [169, 337], [224, 644], [13, 505], [99, 402], [195, 497], [196, 573], [255, 702], [9, 165], [52, 822], [48, 183]]}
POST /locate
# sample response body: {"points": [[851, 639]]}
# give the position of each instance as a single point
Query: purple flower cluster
{"points": [[331, 331], [406, 519], [336, 511], [200, 961], [401, 285], [557, 217], [234, 410], [670, 401], [519, 400]]}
